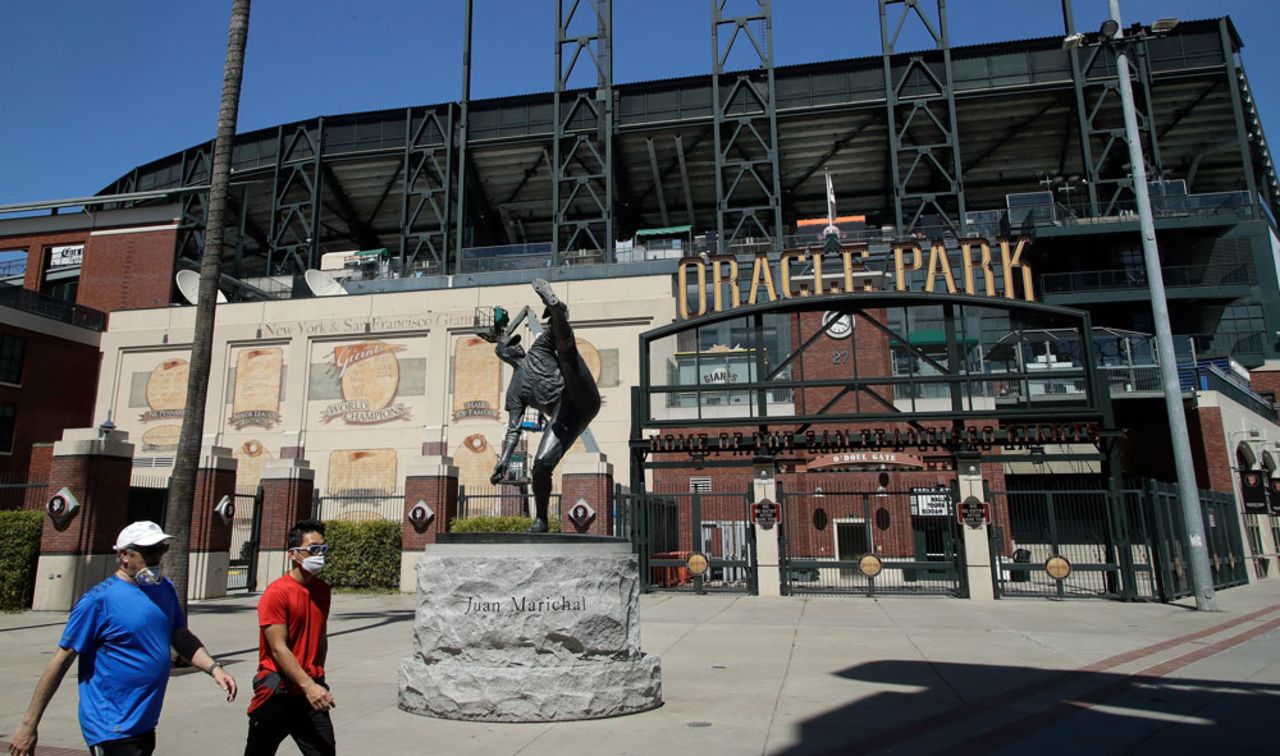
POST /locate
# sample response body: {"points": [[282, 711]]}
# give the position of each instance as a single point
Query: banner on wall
{"points": [[166, 391], [1253, 490], [256, 399], [369, 376], [1273, 495]]}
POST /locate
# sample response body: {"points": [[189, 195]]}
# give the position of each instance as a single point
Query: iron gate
{"points": [[246, 526], [1128, 543], [1083, 527], [826, 537], [666, 529]]}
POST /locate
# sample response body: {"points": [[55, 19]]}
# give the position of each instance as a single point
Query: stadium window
{"points": [[700, 485], [12, 350], [8, 416]]}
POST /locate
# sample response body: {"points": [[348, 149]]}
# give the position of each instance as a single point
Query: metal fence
{"points": [[870, 543], [1127, 544], [667, 528], [358, 505], [246, 526], [18, 492]]}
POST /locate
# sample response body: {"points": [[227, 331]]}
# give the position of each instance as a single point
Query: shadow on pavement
{"points": [[1110, 712]]}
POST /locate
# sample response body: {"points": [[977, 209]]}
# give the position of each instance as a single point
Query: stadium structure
{"points": [[867, 279]]}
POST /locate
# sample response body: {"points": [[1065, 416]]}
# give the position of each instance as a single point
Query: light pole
{"points": [[1188, 495]]}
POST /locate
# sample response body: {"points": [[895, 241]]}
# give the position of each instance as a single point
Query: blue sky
{"points": [[89, 88]]}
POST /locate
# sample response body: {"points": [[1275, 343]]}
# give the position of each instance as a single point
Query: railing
{"points": [[14, 267], [1211, 274], [359, 506], [55, 309]]}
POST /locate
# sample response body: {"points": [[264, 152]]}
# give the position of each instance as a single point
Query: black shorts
{"points": [[134, 745], [290, 715]]}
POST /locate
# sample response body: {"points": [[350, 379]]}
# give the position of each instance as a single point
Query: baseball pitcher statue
{"points": [[550, 377]]}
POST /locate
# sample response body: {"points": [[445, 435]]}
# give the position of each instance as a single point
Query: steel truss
{"points": [[924, 141], [428, 180], [1103, 145], [748, 179], [295, 199], [582, 152], [197, 167]]}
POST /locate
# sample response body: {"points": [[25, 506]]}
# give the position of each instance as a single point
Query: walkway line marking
{"points": [[1008, 734], [946, 717]]}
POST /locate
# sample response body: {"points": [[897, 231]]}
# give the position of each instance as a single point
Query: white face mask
{"points": [[313, 564], [149, 576]]}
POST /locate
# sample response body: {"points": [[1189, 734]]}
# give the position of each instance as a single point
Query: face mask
{"points": [[313, 564], [149, 576]]}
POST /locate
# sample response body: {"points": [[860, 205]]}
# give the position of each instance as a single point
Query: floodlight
{"points": [[1164, 25], [1073, 41], [1110, 28]]}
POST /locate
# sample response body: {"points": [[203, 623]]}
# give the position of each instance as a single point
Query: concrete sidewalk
{"points": [[744, 675]]}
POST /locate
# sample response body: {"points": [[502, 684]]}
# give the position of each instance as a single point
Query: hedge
{"points": [[363, 554], [512, 524], [19, 550]]}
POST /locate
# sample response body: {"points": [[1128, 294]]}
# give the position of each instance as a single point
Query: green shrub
{"points": [[363, 555], [511, 524], [19, 550]]}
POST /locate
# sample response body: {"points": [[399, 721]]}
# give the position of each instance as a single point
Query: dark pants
{"points": [[136, 745], [290, 715]]}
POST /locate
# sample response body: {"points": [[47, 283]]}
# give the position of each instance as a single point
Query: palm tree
{"points": [[182, 486]]}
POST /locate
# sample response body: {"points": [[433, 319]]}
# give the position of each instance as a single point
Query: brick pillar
{"points": [[210, 535], [38, 472], [433, 481], [76, 553], [287, 485], [587, 479]]}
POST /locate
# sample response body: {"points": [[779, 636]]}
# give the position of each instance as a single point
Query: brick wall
{"points": [[59, 380], [208, 532], [1213, 461], [285, 501], [128, 271], [597, 491], [103, 510], [441, 494]]}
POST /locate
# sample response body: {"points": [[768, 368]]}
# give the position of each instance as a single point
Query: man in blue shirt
{"points": [[122, 629]]}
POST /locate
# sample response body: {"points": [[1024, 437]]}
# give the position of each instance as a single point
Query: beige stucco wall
{"points": [[418, 331]]}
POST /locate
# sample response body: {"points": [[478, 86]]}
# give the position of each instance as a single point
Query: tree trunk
{"points": [[182, 485]]}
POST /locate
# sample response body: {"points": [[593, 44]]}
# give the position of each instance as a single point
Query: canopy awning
{"points": [[665, 231]]}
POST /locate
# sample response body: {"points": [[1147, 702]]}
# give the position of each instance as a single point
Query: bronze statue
{"points": [[551, 378]]}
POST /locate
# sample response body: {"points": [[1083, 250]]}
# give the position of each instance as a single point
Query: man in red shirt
{"points": [[290, 696]]}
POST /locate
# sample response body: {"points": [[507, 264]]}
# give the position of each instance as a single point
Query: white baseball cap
{"points": [[141, 533]]}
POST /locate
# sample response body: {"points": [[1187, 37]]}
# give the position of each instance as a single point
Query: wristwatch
{"points": [[216, 665]]}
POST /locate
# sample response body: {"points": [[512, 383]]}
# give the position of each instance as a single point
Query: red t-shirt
{"points": [[304, 611]]}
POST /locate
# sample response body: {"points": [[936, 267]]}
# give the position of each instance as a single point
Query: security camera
{"points": [[226, 509], [420, 515], [62, 505]]}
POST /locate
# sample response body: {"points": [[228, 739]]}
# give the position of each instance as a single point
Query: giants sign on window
{"points": [[1253, 489], [67, 256]]}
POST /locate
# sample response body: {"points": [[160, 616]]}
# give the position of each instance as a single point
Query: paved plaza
{"points": [[746, 675]]}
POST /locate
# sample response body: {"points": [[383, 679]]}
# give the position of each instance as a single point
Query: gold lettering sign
{"points": [[941, 275]]}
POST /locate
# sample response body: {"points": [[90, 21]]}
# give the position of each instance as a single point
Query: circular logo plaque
{"points": [[838, 324], [870, 565], [1057, 567], [697, 563]]}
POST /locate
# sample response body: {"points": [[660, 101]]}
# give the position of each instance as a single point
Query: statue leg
{"points": [[580, 390], [551, 450]]}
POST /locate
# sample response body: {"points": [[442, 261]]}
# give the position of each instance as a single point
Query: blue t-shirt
{"points": [[122, 632]]}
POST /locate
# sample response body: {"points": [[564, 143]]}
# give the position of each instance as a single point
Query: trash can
{"points": [[1020, 556]]}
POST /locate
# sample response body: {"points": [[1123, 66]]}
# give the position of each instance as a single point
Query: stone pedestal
{"points": [[521, 628]]}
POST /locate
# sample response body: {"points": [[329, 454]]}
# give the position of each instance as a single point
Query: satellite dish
{"points": [[322, 284], [189, 284]]}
